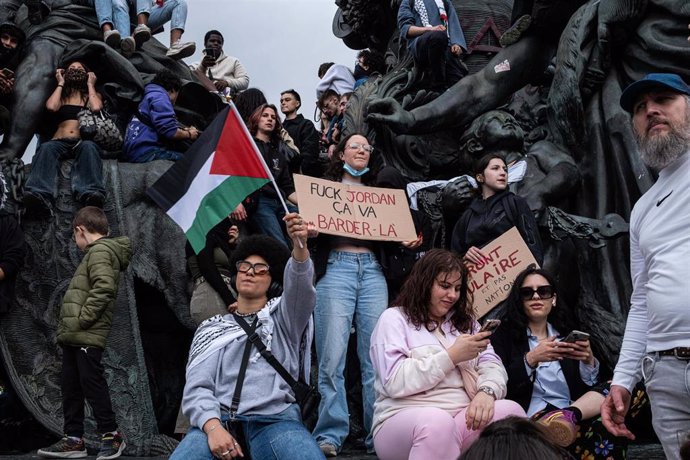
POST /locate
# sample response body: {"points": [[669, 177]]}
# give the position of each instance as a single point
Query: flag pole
{"points": [[263, 162]]}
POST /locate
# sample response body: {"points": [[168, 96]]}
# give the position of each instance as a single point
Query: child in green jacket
{"points": [[85, 319]]}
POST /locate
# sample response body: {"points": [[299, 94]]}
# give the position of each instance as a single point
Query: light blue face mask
{"points": [[353, 172]]}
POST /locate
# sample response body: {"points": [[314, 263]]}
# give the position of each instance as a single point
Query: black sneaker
{"points": [[112, 446], [64, 448]]}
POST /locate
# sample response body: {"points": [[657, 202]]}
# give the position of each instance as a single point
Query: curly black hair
{"points": [[274, 252], [168, 80]]}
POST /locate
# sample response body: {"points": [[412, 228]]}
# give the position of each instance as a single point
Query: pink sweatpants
{"points": [[422, 433]]}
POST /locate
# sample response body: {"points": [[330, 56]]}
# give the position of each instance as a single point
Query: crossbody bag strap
{"points": [[243, 369], [254, 338]]}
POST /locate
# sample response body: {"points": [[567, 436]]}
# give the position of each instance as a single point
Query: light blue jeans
{"points": [[668, 386], [270, 437], [174, 11], [115, 13], [352, 288]]}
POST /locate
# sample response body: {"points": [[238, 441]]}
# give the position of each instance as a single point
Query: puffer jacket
{"points": [[87, 308]]}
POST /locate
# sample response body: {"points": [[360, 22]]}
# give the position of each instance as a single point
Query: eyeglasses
{"points": [[357, 146], [544, 292], [259, 268]]}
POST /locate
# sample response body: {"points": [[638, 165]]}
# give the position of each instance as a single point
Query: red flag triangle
{"points": [[236, 154]]}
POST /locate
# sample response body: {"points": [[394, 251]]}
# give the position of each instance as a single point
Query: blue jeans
{"points": [[158, 154], [113, 12], [174, 11], [266, 219], [353, 286], [87, 169], [270, 437]]}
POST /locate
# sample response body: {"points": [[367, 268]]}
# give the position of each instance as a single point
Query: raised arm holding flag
{"points": [[218, 172]]}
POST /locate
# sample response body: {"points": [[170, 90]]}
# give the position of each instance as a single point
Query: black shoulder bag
{"points": [[231, 425], [307, 396]]}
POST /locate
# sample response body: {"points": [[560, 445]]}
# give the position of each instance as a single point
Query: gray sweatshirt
{"points": [[264, 392]]}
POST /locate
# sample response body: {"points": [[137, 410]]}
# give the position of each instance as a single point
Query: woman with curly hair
{"points": [[266, 418], [438, 381]]}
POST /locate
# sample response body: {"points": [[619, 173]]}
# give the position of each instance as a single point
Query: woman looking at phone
{"points": [[438, 381], [554, 381]]}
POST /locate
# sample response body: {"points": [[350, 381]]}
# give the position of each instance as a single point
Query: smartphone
{"points": [[212, 52], [574, 336], [490, 325], [7, 73]]}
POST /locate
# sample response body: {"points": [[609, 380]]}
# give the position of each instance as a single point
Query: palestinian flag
{"points": [[216, 174]]}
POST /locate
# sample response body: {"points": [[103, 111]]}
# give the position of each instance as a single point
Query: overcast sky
{"points": [[280, 42]]}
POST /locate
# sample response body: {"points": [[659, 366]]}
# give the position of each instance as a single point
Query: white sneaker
{"points": [[127, 46], [179, 50], [141, 34], [112, 38]]}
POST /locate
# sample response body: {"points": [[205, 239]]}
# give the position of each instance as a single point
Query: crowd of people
{"points": [[435, 382]]}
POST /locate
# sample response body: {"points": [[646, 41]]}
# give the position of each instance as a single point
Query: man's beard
{"points": [[660, 150]]}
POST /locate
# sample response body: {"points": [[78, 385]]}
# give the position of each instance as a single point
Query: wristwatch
{"points": [[488, 391]]}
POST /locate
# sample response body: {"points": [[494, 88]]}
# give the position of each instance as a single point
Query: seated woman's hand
{"points": [[548, 350], [480, 411], [581, 351], [467, 346], [223, 445]]}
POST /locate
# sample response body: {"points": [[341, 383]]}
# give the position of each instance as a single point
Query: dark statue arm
{"points": [[561, 176], [472, 95], [34, 83]]}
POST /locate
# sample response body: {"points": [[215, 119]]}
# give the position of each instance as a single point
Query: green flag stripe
{"points": [[217, 204]]}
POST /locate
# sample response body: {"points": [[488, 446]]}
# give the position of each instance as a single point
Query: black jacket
{"points": [[486, 220], [279, 167], [511, 345], [12, 249], [306, 138]]}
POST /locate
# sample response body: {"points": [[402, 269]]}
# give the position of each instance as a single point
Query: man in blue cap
{"points": [[656, 345]]}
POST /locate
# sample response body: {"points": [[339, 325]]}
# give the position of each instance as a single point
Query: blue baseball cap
{"points": [[649, 83]]}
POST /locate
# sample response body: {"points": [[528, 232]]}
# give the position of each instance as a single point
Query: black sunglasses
{"points": [[544, 292], [243, 266]]}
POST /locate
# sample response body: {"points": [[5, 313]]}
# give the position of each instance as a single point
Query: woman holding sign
{"points": [[495, 211], [349, 286], [438, 381], [554, 379]]}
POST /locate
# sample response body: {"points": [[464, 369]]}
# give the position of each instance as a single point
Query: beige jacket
{"points": [[227, 68]]}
